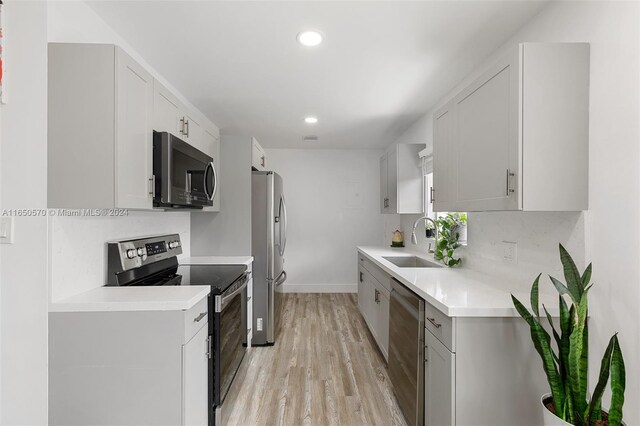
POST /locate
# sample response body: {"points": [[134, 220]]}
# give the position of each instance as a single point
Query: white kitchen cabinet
{"points": [[373, 302], [471, 362], [401, 184], [517, 137], [129, 367], [134, 138], [195, 379], [171, 115], [99, 128], [381, 298], [439, 380], [258, 156], [167, 110]]}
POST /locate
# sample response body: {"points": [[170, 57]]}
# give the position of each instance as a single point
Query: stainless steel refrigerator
{"points": [[268, 242]]}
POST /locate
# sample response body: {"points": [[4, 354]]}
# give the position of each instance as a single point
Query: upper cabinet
{"points": [[102, 110], [401, 183], [99, 128], [258, 157], [517, 137]]}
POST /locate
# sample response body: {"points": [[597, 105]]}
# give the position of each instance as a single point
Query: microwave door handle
{"points": [[211, 194]]}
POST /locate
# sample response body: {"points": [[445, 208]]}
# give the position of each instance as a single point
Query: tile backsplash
{"points": [[536, 235]]}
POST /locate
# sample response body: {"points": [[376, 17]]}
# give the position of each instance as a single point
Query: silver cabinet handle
{"points": [[199, 317], [433, 321], [182, 121], [510, 174], [152, 182], [361, 279], [209, 351], [262, 162], [376, 296], [433, 198], [186, 122]]}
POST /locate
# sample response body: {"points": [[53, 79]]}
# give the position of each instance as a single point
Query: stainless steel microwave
{"points": [[185, 177]]}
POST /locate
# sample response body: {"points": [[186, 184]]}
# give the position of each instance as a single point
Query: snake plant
{"points": [[566, 365]]}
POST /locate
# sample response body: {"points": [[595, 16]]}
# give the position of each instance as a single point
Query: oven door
{"points": [[230, 330], [184, 175]]}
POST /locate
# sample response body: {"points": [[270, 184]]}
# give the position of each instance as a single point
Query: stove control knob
{"points": [[141, 252], [131, 253], [172, 245], [178, 243]]}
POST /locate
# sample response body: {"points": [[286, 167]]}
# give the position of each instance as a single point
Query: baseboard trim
{"points": [[319, 288]]}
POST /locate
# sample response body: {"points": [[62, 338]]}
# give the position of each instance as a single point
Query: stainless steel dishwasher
{"points": [[406, 351]]}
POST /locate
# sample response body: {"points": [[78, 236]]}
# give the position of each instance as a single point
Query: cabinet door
{"points": [[258, 156], [444, 195], [366, 301], [384, 188], [392, 180], [166, 110], [361, 292], [488, 143], [134, 140], [439, 397], [195, 379], [383, 323]]}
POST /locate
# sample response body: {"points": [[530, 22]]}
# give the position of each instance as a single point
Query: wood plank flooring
{"points": [[325, 369]]}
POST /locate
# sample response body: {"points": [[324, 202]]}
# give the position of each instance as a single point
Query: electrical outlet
{"points": [[259, 324], [6, 230], [510, 251]]}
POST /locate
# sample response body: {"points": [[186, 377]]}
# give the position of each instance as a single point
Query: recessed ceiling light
{"points": [[310, 38], [310, 120]]}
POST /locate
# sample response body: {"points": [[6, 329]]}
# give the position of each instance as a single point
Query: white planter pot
{"points": [[548, 417]]}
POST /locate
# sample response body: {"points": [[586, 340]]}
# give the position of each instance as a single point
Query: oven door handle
{"points": [[226, 299]]}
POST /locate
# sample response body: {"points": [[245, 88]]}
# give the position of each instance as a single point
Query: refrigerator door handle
{"points": [[283, 225], [281, 279]]}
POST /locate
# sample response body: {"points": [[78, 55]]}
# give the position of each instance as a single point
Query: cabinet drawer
{"points": [[195, 318], [440, 325], [377, 272]]}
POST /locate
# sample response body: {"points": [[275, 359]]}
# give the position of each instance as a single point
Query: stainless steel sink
{"points": [[410, 262]]}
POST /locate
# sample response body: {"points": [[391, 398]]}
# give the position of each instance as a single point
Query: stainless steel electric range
{"points": [[152, 261]]}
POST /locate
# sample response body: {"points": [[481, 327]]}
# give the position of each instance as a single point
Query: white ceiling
{"points": [[381, 66]]}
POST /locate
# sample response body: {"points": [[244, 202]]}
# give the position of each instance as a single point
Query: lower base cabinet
{"points": [[480, 371], [373, 301], [129, 368]]}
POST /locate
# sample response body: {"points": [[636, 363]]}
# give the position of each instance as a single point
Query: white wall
{"points": [[610, 230], [333, 206], [228, 232], [23, 309]]}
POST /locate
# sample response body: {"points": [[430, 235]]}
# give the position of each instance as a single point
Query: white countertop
{"points": [[170, 298], [217, 260], [459, 292]]}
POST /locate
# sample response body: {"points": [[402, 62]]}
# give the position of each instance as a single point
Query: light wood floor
{"points": [[325, 369]]}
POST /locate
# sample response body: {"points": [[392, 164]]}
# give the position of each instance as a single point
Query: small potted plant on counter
{"points": [[566, 366], [449, 230]]}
